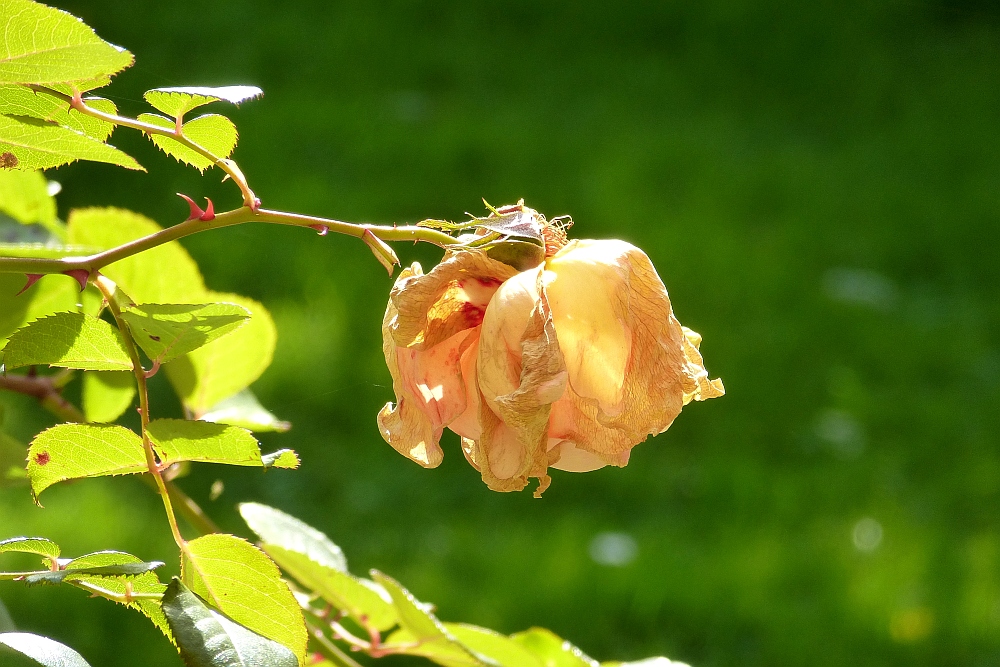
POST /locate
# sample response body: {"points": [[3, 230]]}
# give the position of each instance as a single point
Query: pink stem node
{"points": [[322, 229]]}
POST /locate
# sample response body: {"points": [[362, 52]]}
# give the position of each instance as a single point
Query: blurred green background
{"points": [[817, 184]]}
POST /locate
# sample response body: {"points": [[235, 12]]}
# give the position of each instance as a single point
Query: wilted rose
{"points": [[566, 365]]}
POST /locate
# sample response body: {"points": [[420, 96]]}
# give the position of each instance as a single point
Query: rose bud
{"points": [[566, 365]]}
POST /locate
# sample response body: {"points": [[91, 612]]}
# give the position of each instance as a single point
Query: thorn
{"points": [[196, 211], [81, 276], [209, 213], [322, 229], [32, 279], [152, 371]]}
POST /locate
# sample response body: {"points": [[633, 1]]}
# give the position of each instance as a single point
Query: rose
{"points": [[567, 365]]}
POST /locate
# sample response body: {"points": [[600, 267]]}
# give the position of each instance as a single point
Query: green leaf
{"points": [[283, 458], [213, 132], [21, 101], [50, 295], [107, 394], [500, 648], [243, 583], [244, 410], [209, 639], [141, 579], [42, 650], [69, 340], [421, 633], [164, 274], [13, 457], [167, 331], [224, 367], [24, 196], [31, 143], [93, 572], [39, 44], [178, 440], [279, 529], [552, 649], [73, 451], [31, 545], [178, 101], [367, 603]]}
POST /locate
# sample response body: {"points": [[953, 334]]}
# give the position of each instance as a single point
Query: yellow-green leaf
{"points": [[167, 331], [213, 132], [31, 143], [178, 101], [244, 410], [22, 101], [178, 440], [243, 583], [39, 44], [74, 451], [500, 648], [68, 340], [31, 545], [552, 649], [275, 527]]}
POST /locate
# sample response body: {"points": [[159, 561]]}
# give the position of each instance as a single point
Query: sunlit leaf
{"points": [[279, 529], [107, 394], [178, 101], [186, 440], [243, 583], [42, 650], [552, 649], [30, 545], [206, 638], [421, 633], [648, 662], [30, 143], [21, 101], [141, 579], [366, 604], [164, 274], [167, 331], [39, 44], [24, 196], [68, 340], [500, 648], [224, 367], [213, 132], [244, 410], [72, 451], [283, 458], [50, 295]]}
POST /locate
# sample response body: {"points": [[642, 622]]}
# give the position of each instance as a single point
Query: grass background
{"points": [[817, 184]]}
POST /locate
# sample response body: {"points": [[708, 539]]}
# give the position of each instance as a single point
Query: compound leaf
{"points": [[244, 410], [164, 274], [39, 44], [224, 367], [279, 529], [178, 101], [213, 132], [73, 451], [206, 638], [107, 394], [42, 650], [365, 602], [32, 143], [243, 583], [68, 340], [167, 331]]}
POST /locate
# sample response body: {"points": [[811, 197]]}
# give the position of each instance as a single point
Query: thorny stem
{"points": [[237, 216], [108, 288]]}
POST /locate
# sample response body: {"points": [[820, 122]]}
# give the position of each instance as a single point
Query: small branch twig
{"points": [[46, 389]]}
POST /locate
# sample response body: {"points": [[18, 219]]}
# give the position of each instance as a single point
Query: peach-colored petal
{"points": [[520, 374], [631, 365], [451, 298]]}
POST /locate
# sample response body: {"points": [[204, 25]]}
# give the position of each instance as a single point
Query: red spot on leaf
{"points": [[42, 458]]}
